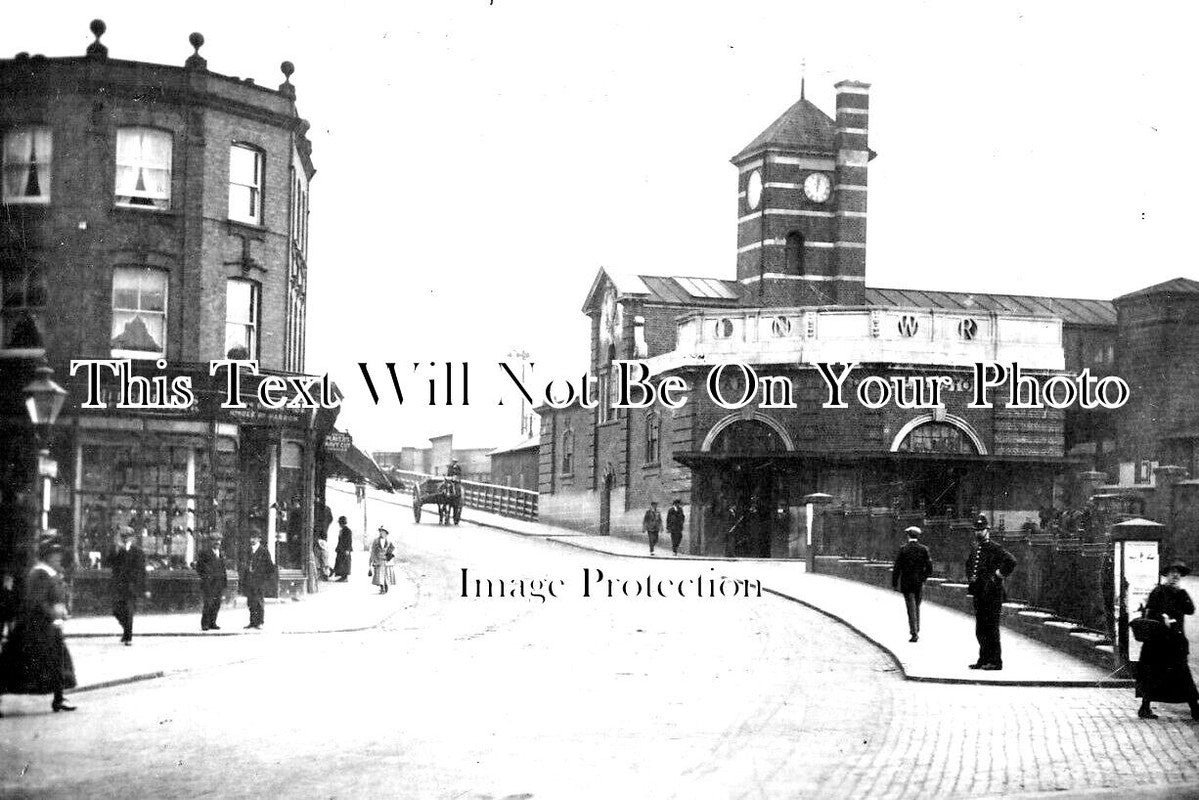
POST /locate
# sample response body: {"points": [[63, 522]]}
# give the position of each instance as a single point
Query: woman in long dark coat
{"points": [[345, 545], [1163, 674], [35, 659]]}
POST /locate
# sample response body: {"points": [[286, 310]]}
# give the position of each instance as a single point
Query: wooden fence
{"points": [[506, 501]]}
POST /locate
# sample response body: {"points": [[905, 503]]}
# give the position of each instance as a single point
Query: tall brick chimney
{"points": [[849, 223]]}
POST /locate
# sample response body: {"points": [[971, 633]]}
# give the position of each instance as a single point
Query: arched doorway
{"points": [[934, 483], [747, 487]]}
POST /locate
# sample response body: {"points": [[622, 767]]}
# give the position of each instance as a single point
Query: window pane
{"points": [[243, 165], [238, 298], [139, 300], [26, 159], [143, 167]]}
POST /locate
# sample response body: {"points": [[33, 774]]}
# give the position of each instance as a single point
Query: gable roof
{"points": [[803, 126], [666, 290], [690, 293], [1175, 286]]}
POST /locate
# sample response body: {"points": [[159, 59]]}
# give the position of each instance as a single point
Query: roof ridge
{"points": [[990, 294]]}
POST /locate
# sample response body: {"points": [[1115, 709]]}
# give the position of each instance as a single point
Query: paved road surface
{"points": [[581, 698]]}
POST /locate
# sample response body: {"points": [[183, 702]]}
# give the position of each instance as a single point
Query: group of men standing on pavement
{"points": [[127, 585], [652, 525], [986, 569]]}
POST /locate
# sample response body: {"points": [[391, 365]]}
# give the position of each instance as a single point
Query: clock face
{"points": [[753, 192], [818, 187]]}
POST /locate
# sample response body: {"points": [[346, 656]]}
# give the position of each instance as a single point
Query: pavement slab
{"points": [[947, 644]]}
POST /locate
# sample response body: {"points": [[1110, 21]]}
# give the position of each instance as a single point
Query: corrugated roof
{"points": [[803, 126], [1069, 310], [692, 291], [1175, 286], [527, 443]]}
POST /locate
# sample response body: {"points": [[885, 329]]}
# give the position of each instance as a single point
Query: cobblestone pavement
{"points": [[579, 698]]}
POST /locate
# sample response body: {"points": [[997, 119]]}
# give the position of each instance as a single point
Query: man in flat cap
{"points": [[986, 570], [913, 567]]}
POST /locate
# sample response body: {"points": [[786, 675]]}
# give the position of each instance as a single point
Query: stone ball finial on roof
{"points": [[285, 88], [96, 49], [195, 60]]}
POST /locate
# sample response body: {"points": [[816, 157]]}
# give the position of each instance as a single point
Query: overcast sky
{"points": [[476, 163]]}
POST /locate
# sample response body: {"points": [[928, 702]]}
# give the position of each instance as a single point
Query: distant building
{"points": [[517, 465], [434, 459]]}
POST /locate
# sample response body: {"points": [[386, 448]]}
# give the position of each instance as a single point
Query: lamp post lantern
{"points": [[44, 400]]}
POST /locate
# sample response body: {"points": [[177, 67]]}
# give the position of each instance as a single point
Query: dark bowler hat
{"points": [[1177, 566], [981, 523]]}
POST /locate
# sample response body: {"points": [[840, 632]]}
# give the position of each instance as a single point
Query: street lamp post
{"points": [[810, 503], [43, 401]]}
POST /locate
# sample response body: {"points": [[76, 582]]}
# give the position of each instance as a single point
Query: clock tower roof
{"points": [[802, 127]]}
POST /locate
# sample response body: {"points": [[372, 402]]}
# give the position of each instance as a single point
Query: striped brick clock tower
{"points": [[801, 232]]}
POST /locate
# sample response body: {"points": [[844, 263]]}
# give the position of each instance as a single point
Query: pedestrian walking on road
{"points": [[913, 567], [1163, 674], [652, 524], [986, 569], [35, 659], [258, 573], [382, 555], [128, 583], [345, 546], [674, 525], [213, 580]]}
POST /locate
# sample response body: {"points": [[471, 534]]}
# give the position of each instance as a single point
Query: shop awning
{"points": [[356, 465]]}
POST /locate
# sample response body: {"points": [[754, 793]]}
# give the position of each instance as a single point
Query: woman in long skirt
{"points": [[1163, 674], [382, 555], [35, 659]]}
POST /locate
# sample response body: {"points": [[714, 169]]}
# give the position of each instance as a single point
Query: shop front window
{"points": [[164, 489], [290, 507]]}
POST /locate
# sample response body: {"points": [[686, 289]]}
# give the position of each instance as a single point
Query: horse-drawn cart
{"points": [[445, 493]]}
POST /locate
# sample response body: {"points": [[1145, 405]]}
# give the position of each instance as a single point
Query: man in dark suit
{"points": [[211, 566], [986, 569], [674, 524], [912, 568], [128, 565], [258, 573]]}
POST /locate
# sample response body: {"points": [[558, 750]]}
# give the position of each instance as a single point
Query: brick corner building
{"points": [[158, 214]]}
